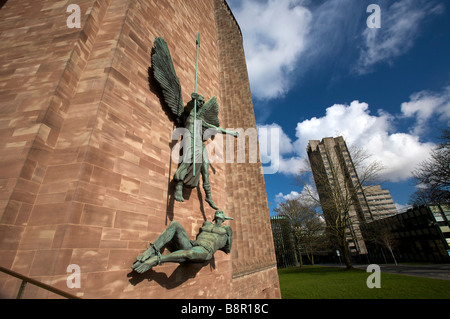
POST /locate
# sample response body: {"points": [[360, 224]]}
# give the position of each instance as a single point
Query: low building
{"points": [[421, 234], [284, 241], [380, 202]]}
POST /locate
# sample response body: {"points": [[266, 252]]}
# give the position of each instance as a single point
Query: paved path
{"points": [[436, 271]]}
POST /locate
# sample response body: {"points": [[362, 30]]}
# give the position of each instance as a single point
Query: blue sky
{"points": [[317, 70]]}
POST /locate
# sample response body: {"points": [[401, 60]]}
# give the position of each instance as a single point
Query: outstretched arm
{"points": [[235, 134]]}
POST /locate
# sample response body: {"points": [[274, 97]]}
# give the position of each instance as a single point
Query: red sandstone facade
{"points": [[85, 162]]}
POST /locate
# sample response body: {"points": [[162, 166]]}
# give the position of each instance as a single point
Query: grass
{"points": [[319, 282]]}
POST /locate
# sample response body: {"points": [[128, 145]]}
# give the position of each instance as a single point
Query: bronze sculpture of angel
{"points": [[196, 117]]}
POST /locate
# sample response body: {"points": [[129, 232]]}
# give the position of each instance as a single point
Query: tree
{"points": [[433, 175], [381, 234], [341, 181], [307, 226]]}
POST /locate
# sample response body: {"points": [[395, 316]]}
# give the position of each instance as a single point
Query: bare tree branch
{"points": [[307, 227], [433, 175]]}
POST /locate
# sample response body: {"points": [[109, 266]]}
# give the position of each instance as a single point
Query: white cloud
{"points": [[398, 152], [400, 27], [353, 121], [284, 143], [291, 165], [281, 197], [303, 196], [423, 105], [275, 148], [274, 36]]}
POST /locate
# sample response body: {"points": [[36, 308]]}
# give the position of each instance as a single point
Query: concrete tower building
{"points": [[339, 187]]}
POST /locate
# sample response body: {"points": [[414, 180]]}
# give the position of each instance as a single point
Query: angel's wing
{"points": [[210, 113], [165, 75]]}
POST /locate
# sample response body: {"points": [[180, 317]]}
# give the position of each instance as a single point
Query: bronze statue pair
{"points": [[196, 117]]}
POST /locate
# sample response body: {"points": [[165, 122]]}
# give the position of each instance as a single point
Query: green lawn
{"points": [[317, 282]]}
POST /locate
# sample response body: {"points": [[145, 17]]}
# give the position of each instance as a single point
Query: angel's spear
{"points": [[195, 101]]}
